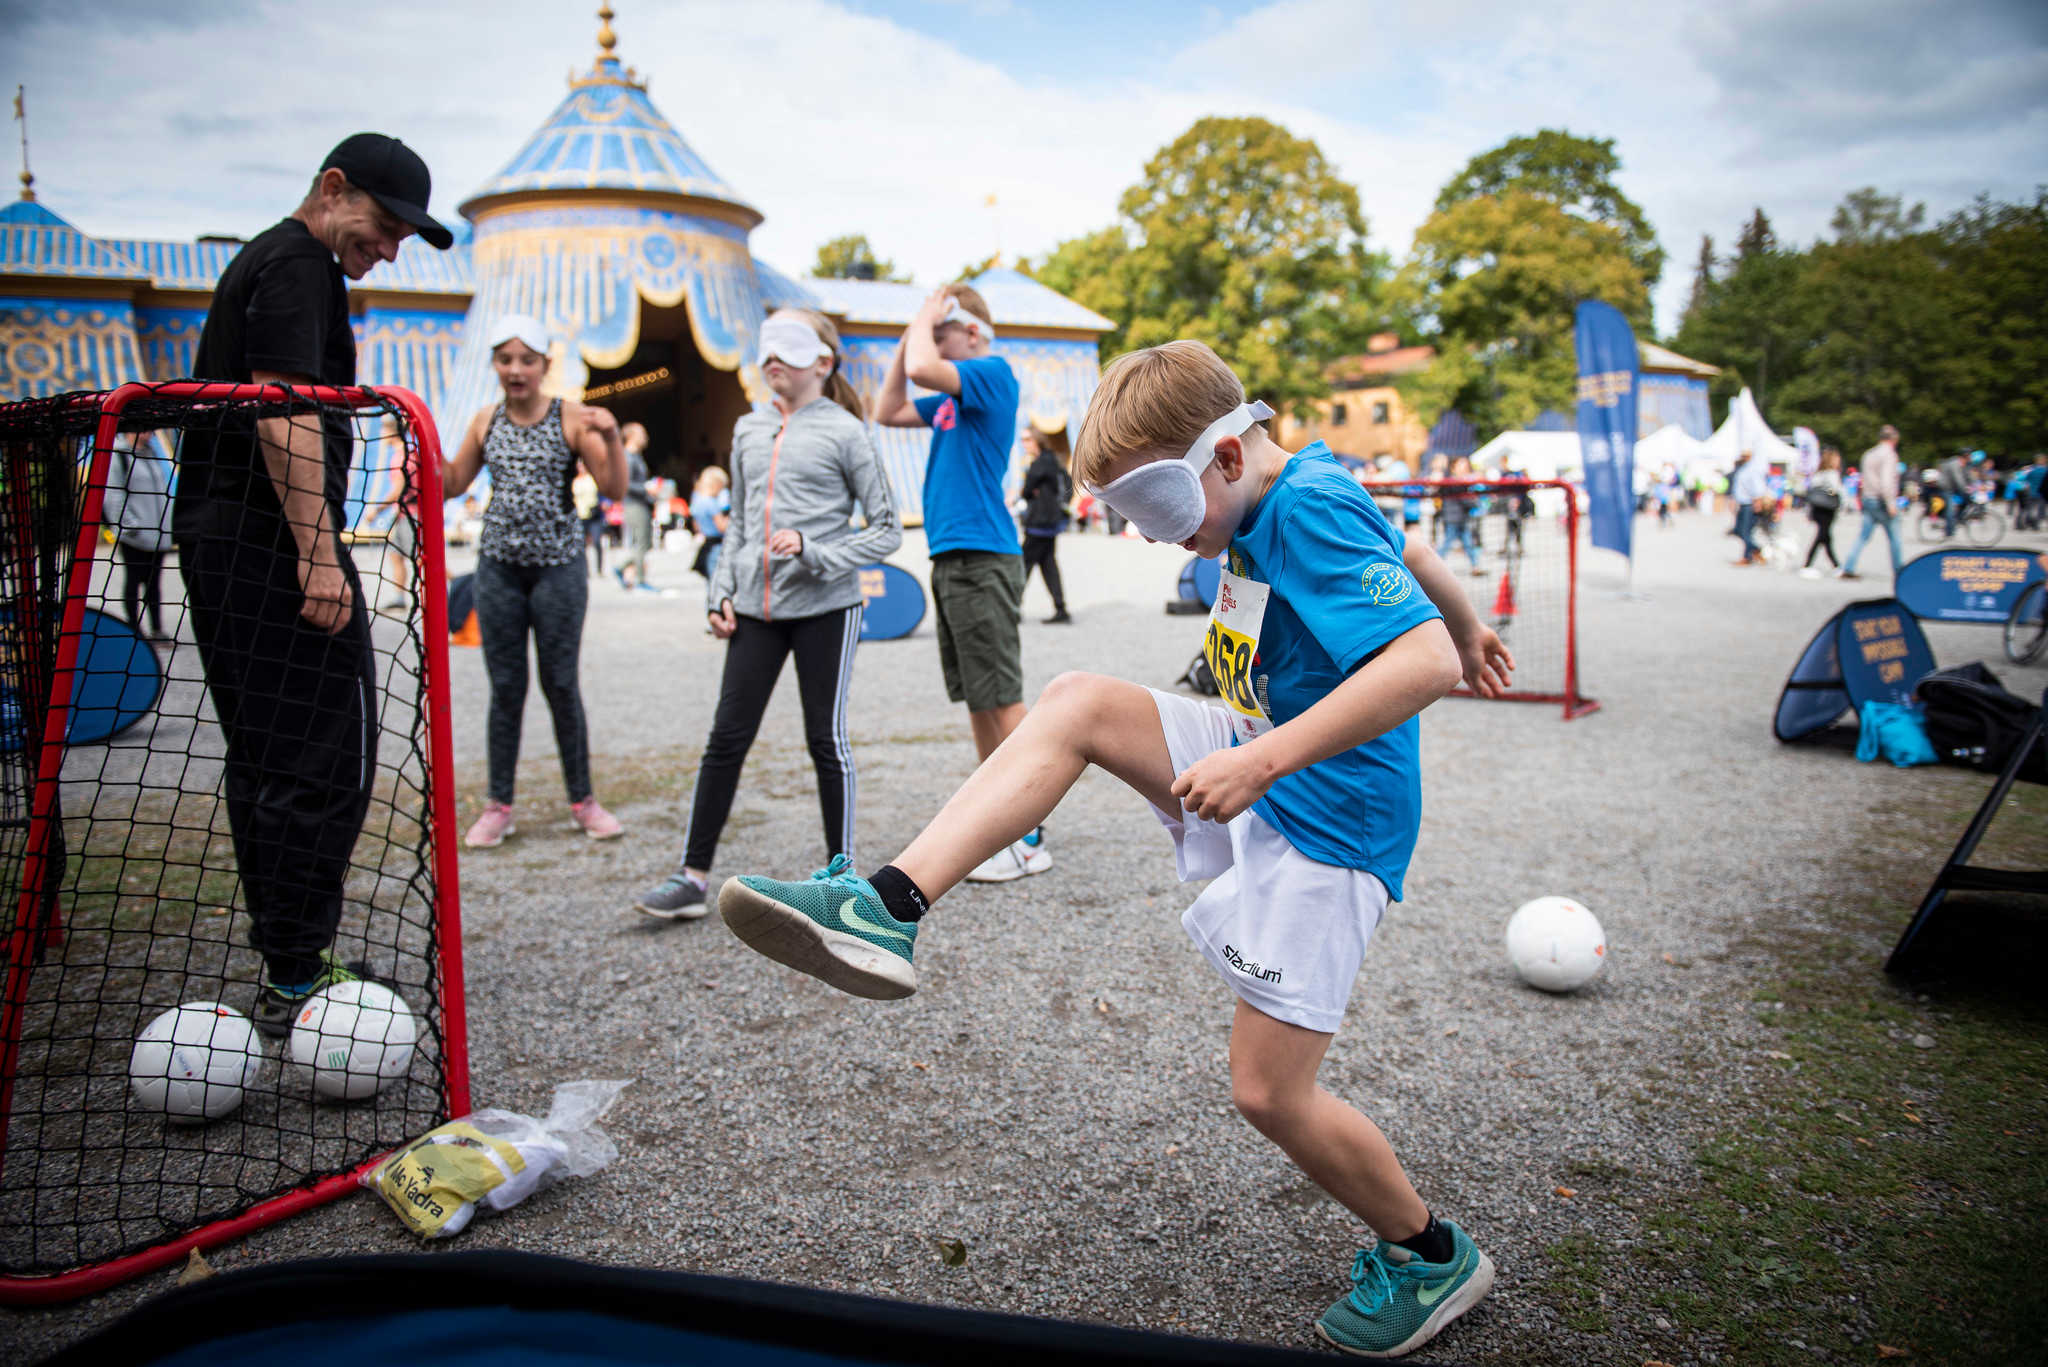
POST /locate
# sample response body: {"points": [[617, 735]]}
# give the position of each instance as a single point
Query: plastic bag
{"points": [[496, 1159]]}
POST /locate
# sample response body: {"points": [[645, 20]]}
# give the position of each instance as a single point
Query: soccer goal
{"points": [[147, 851], [1518, 555]]}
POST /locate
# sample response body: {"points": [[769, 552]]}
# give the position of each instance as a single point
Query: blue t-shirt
{"points": [[971, 440], [1339, 594]]}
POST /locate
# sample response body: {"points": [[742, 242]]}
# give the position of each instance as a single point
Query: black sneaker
{"points": [[1058, 618], [275, 1007], [677, 897]]}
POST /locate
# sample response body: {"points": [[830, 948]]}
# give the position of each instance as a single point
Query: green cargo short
{"points": [[979, 597]]}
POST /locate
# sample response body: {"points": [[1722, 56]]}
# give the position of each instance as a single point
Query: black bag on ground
{"points": [[1973, 720], [1200, 677]]}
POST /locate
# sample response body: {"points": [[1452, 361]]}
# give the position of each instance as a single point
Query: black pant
{"points": [[549, 601], [1038, 551], [1823, 535], [824, 647], [296, 707], [141, 586]]}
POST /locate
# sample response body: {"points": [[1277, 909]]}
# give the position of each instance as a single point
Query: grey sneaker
{"points": [[676, 898]]}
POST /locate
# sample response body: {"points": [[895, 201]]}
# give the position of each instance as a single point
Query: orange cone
{"points": [[1504, 600]]}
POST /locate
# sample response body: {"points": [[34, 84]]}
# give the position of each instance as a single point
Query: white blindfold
{"points": [[1163, 498], [957, 314], [520, 327], [793, 342]]}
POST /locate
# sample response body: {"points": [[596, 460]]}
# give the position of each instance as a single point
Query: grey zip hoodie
{"points": [[805, 474]]}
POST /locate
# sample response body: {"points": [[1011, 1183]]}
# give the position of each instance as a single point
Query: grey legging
{"points": [[549, 601]]}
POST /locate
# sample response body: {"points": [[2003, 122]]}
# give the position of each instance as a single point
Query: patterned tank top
{"points": [[530, 519]]}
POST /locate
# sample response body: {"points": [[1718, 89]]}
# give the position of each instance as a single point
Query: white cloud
{"points": [[830, 121]]}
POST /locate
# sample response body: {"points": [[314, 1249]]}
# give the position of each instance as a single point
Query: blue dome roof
{"points": [[607, 135]]}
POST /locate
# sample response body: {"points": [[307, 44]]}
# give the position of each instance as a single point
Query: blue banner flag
{"points": [[1608, 378]]}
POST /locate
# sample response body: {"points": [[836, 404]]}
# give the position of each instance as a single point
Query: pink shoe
{"points": [[491, 828], [597, 823]]}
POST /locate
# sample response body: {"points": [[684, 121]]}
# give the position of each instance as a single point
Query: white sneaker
{"points": [[1011, 863]]}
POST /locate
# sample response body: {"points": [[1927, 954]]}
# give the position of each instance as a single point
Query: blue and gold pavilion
{"points": [[607, 226]]}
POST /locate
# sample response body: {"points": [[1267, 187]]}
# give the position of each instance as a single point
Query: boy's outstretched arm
{"points": [[1482, 656], [1414, 670]]}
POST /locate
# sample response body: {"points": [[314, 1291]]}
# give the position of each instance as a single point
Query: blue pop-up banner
{"points": [[1966, 586], [1608, 374]]}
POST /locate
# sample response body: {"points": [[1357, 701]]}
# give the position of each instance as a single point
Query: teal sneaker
{"points": [[1399, 1302], [833, 927]]}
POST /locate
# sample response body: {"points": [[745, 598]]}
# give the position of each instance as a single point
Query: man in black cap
{"points": [[275, 602]]}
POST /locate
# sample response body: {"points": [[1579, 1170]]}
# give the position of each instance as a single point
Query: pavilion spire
{"points": [[28, 181]]}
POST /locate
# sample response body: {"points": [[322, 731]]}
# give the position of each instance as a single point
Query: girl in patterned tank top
{"points": [[529, 572]]}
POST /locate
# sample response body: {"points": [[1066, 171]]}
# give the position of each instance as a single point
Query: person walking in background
{"points": [[789, 584], [1047, 489], [530, 580], [1823, 501], [1751, 491], [1879, 473], [275, 603], [588, 505], [710, 512], [137, 506], [2033, 481], [638, 509], [1454, 514]]}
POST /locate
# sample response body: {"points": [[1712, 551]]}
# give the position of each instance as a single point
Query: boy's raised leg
{"points": [[838, 928]]}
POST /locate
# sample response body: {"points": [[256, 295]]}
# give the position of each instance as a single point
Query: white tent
{"points": [[1746, 430], [1539, 455], [1670, 445]]}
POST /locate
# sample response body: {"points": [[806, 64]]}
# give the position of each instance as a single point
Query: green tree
{"points": [[1243, 236], [849, 257], [1572, 172], [1867, 216], [1702, 278], [1494, 282], [1092, 270], [1746, 321]]}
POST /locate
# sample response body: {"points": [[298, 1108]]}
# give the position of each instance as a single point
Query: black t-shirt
{"points": [[281, 305]]}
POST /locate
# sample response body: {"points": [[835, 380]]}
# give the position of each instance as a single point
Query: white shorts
{"points": [[1286, 932]]}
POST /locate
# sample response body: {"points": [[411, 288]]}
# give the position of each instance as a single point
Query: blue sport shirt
{"points": [[970, 456], [1339, 594]]}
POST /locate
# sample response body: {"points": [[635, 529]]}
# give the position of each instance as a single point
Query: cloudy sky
{"points": [[898, 118]]}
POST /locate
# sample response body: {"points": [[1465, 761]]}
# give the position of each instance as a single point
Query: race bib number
{"points": [[1232, 649]]}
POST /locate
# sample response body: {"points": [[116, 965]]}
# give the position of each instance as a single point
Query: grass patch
{"points": [[1577, 1272], [1886, 1187]]}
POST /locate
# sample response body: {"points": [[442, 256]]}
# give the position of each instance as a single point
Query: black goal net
{"points": [[226, 856]]}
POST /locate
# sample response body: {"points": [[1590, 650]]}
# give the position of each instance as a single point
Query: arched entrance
{"points": [[687, 405]]}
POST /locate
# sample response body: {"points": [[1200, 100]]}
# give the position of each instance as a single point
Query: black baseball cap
{"points": [[392, 174]]}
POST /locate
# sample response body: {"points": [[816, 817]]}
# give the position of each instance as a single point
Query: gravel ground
{"points": [[1056, 1095]]}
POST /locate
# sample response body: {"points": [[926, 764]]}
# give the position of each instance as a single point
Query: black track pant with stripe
{"points": [[295, 707], [824, 647]]}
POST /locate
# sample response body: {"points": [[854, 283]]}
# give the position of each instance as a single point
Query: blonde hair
{"points": [[711, 479], [838, 388], [971, 300], [1153, 402]]}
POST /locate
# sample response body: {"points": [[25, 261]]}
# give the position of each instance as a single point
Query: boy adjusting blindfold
{"points": [[1163, 498]]}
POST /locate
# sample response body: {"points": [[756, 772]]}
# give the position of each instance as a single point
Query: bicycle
{"points": [[2026, 626], [1977, 520]]}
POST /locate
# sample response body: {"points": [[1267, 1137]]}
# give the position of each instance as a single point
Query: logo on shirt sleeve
{"points": [[945, 417], [1385, 584]]}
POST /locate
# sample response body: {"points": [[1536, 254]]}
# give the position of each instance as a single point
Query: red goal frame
{"points": [[1573, 700], [32, 931]]}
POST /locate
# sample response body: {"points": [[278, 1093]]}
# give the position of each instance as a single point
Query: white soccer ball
{"points": [[356, 1038], [192, 1063], [1556, 944]]}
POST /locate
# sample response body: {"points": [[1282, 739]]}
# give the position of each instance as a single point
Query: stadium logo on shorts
{"points": [[1385, 584], [1252, 970]]}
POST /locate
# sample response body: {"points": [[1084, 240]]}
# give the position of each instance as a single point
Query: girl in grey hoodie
{"points": [[788, 583]]}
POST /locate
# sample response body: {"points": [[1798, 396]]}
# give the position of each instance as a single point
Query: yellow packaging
{"points": [[436, 1180]]}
